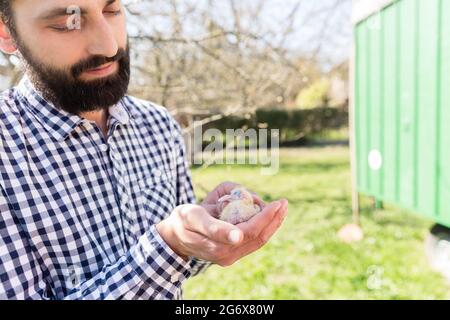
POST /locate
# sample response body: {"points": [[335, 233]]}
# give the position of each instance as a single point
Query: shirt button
{"points": [[104, 147], [157, 173]]}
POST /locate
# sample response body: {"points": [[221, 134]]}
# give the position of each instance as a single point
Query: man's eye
{"points": [[63, 28], [113, 12]]}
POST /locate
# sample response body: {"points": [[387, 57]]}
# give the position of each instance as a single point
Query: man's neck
{"points": [[100, 118]]}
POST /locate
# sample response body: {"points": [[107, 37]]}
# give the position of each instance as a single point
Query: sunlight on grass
{"points": [[305, 260]]}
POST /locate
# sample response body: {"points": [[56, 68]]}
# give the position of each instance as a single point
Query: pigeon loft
{"points": [[400, 105]]}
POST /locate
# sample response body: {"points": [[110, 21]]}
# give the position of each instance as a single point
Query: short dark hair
{"points": [[6, 14]]}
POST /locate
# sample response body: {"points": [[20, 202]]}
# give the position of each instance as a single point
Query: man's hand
{"points": [[191, 231]]}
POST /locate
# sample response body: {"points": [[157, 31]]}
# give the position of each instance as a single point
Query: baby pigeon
{"points": [[238, 206]]}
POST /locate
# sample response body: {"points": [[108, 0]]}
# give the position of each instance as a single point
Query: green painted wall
{"points": [[402, 106]]}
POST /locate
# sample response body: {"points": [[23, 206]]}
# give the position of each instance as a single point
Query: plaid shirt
{"points": [[78, 212]]}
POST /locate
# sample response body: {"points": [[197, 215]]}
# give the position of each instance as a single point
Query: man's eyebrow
{"points": [[59, 12], [109, 2]]}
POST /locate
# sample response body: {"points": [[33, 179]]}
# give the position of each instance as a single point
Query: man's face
{"points": [[75, 51]]}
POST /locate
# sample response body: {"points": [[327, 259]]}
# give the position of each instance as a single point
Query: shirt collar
{"points": [[60, 123]]}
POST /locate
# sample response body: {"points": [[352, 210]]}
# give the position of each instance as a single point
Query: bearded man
{"points": [[96, 199]]}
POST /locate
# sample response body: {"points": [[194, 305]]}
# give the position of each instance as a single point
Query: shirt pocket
{"points": [[157, 196]]}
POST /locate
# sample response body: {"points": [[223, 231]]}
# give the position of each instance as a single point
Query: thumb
{"points": [[200, 221]]}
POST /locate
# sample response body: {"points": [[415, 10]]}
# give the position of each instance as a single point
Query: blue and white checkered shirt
{"points": [[78, 211]]}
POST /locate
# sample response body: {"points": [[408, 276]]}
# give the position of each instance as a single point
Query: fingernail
{"points": [[234, 236]]}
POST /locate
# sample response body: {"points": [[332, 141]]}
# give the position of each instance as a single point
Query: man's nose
{"points": [[101, 39]]}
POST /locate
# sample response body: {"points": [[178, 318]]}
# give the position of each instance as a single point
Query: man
{"points": [[96, 201]]}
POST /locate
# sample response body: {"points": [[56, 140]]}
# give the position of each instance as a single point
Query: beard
{"points": [[67, 92]]}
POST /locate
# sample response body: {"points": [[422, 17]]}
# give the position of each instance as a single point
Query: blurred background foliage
{"points": [[226, 57]]}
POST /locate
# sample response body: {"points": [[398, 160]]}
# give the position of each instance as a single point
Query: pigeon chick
{"points": [[238, 206]]}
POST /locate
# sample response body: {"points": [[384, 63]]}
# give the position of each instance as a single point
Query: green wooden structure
{"points": [[401, 104]]}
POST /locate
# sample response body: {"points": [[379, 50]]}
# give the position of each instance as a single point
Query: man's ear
{"points": [[7, 44]]}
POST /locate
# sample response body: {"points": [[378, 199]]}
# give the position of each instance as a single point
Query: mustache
{"points": [[95, 62]]}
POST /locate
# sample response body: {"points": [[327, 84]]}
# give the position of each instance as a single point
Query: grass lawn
{"points": [[306, 260]]}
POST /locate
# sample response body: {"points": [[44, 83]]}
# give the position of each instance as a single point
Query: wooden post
{"points": [[352, 135]]}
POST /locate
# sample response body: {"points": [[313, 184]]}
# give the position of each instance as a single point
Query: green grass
{"points": [[306, 260]]}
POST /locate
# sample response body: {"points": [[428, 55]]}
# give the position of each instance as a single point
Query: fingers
{"points": [[256, 225], [226, 187], [257, 200], [260, 240], [221, 190], [270, 230], [197, 219]]}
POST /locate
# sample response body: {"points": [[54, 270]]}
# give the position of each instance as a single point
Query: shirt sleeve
{"points": [[185, 190], [150, 268], [20, 274]]}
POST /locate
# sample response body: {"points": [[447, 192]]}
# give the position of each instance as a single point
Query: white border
{"points": [[363, 9]]}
